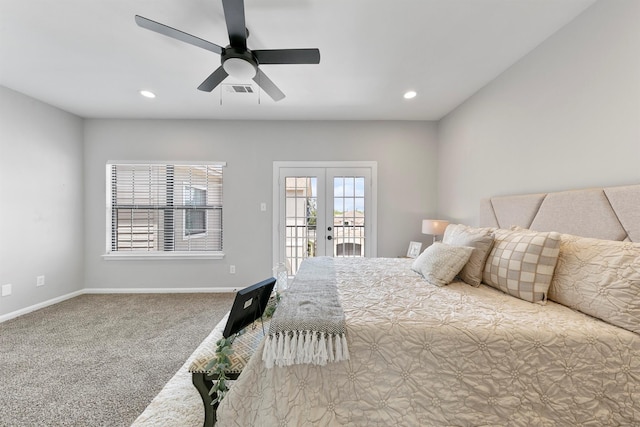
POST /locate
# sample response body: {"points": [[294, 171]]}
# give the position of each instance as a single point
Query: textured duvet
{"points": [[422, 355]]}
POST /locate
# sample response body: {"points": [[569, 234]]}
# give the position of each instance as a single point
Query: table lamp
{"points": [[435, 227]]}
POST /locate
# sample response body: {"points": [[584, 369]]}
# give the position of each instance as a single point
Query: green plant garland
{"points": [[220, 363], [271, 306]]}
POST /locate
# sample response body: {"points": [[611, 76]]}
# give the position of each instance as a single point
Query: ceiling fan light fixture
{"points": [[240, 68], [410, 94], [147, 94]]}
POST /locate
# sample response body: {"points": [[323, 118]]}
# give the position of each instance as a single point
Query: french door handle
{"points": [[329, 238]]}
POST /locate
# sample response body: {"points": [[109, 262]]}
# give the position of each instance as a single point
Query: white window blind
{"points": [[164, 208]]}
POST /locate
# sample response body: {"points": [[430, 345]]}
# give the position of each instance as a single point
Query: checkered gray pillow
{"points": [[521, 263]]}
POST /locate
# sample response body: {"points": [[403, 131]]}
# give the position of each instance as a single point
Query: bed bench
{"points": [[244, 346], [246, 323]]}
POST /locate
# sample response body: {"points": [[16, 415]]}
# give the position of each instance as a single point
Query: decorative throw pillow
{"points": [[600, 278], [440, 263], [480, 239], [521, 263]]}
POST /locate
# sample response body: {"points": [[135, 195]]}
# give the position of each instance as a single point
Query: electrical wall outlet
{"points": [[40, 281], [263, 207], [6, 290], [232, 269]]}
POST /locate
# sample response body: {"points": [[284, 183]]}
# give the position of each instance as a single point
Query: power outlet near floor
{"points": [[6, 290], [40, 281], [232, 269]]}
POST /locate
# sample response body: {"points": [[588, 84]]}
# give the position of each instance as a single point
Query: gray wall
{"points": [[41, 201], [565, 116], [406, 153]]}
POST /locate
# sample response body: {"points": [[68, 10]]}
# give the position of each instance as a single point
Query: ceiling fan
{"points": [[237, 60]]}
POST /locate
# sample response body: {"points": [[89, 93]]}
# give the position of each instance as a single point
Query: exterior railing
{"points": [[347, 241]]}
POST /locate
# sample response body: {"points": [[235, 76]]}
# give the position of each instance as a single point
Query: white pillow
{"points": [[481, 239], [440, 263], [600, 278]]}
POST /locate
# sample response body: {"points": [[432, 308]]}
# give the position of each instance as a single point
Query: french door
{"points": [[323, 209]]}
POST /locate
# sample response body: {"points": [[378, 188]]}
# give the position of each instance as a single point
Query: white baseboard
{"points": [[38, 306], [158, 290], [14, 314]]}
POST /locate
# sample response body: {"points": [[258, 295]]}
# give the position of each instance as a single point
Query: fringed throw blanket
{"points": [[309, 325]]}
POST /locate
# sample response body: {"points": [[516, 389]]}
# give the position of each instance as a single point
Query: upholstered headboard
{"points": [[611, 213]]}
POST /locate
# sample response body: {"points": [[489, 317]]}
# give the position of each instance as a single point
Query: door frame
{"points": [[371, 216]]}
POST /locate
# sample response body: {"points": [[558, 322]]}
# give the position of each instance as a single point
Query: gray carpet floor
{"points": [[98, 360]]}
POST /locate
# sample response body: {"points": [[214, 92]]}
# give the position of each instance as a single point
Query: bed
{"points": [[467, 353]]}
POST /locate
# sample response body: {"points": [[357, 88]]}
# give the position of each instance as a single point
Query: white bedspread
{"points": [[457, 355]]}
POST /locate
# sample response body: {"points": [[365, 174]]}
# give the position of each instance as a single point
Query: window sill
{"points": [[161, 256]]}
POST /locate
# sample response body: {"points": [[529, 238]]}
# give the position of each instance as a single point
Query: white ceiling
{"points": [[89, 57]]}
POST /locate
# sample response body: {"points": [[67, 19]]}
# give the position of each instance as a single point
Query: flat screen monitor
{"points": [[248, 306]]}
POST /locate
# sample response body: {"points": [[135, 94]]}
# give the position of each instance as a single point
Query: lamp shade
{"points": [[434, 227]]}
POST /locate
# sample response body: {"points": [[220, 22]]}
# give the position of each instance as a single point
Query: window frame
{"points": [[110, 255]]}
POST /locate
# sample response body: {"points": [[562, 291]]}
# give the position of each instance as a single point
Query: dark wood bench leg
{"points": [[203, 383]]}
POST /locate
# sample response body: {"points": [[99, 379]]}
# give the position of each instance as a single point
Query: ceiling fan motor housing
{"points": [[239, 63]]}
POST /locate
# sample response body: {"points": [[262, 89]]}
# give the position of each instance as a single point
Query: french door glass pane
{"points": [[348, 216], [301, 210]]}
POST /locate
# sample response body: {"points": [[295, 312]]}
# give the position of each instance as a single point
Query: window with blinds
{"points": [[164, 208]]}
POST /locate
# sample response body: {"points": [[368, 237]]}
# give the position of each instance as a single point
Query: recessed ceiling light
{"points": [[147, 94], [410, 94]]}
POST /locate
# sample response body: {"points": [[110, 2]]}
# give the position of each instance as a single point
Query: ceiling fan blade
{"points": [[213, 80], [287, 56], [236, 25], [268, 86], [177, 34]]}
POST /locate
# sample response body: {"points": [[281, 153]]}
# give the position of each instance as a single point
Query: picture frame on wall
{"points": [[414, 249]]}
